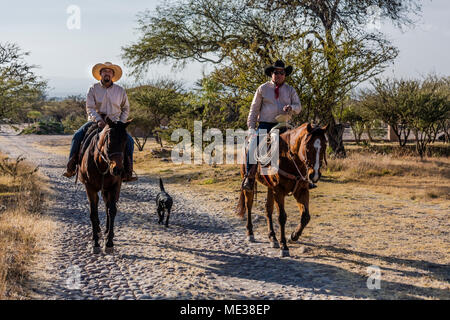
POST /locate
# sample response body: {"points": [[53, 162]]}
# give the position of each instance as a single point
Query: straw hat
{"points": [[107, 65]]}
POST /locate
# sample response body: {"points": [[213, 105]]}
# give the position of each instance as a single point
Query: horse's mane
{"points": [[292, 138]]}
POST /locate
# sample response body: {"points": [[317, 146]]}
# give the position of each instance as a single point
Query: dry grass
{"points": [[22, 228], [404, 176]]}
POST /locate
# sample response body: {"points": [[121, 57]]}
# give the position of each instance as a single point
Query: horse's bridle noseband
{"points": [[303, 157], [300, 177]]}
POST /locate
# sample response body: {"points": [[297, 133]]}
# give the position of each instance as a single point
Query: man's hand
{"points": [[287, 108], [101, 124]]}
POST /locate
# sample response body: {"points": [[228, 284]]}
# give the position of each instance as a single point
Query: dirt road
{"points": [[203, 255]]}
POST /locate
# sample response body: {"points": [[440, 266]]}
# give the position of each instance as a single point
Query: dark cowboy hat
{"points": [[278, 64]]}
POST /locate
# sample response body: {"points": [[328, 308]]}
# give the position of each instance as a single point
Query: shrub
{"points": [[45, 127], [73, 123]]}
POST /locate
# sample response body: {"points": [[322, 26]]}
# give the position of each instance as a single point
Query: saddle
{"points": [[282, 127]]}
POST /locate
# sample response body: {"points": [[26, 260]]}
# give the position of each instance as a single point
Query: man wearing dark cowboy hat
{"points": [[104, 99], [271, 99]]}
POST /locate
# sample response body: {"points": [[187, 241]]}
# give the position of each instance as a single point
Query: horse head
{"points": [[311, 150], [114, 138]]}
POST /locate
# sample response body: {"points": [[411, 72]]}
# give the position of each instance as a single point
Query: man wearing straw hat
{"points": [[104, 99]]}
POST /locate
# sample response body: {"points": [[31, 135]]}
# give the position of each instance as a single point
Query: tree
{"points": [[326, 41], [353, 115], [417, 106], [152, 106], [34, 115], [391, 101], [69, 107], [430, 106], [19, 85]]}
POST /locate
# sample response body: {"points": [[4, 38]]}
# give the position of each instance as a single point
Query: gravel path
{"points": [[203, 255]]}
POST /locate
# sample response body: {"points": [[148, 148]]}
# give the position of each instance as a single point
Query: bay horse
{"points": [[101, 170], [302, 152]]}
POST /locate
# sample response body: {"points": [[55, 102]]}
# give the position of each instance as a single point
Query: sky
{"points": [[65, 55]]}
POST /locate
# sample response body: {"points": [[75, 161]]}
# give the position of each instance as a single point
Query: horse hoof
{"points": [[96, 250], [285, 253], [109, 250], [251, 238], [275, 244], [292, 238]]}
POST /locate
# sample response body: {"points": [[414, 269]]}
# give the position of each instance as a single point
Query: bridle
{"points": [[300, 177], [303, 157]]}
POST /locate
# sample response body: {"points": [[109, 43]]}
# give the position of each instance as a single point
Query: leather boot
{"points": [[128, 172], [249, 181], [71, 167]]}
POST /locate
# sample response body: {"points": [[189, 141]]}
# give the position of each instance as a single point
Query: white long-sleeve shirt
{"points": [[265, 107], [112, 101]]}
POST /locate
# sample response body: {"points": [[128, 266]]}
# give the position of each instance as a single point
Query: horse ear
{"points": [[109, 121], [324, 128], [309, 128], [128, 123]]}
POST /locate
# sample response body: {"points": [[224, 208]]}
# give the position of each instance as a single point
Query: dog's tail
{"points": [[161, 186], [240, 210]]}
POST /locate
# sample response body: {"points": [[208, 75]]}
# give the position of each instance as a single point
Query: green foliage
{"points": [[45, 127], [421, 107], [391, 101], [430, 105], [72, 123], [152, 107], [34, 115], [19, 86]]}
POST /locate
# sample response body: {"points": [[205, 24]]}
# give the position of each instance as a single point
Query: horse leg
{"points": [[107, 219], [93, 201], [249, 204], [111, 213], [269, 211], [303, 204], [282, 217]]}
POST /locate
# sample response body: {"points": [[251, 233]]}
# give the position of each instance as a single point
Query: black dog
{"points": [[163, 202]]}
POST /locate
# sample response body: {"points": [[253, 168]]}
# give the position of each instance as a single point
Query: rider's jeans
{"points": [[79, 135]]}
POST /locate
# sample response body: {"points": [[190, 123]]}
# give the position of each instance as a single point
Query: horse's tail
{"points": [[240, 210], [161, 186]]}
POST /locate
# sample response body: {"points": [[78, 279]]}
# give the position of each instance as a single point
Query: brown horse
{"points": [[301, 153], [101, 170]]}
